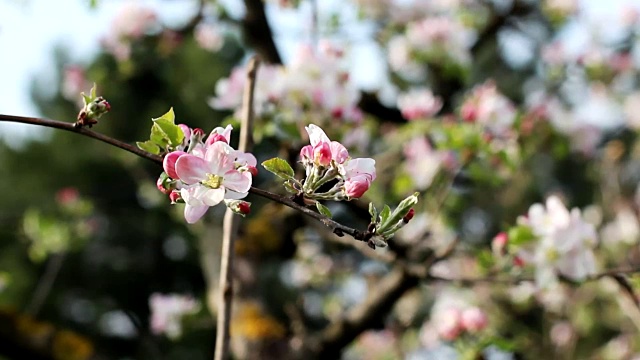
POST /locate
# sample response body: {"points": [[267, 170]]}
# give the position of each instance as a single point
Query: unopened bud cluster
{"points": [[327, 163]]}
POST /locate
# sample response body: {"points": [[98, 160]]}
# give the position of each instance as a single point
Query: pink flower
{"points": [[358, 174], [209, 37], [220, 134], [488, 107], [67, 196], [317, 137], [211, 179], [419, 104], [356, 187], [167, 312], [473, 319], [449, 324], [74, 82]]}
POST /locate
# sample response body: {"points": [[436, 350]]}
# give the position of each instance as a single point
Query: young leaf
{"points": [[149, 146], [373, 212], [158, 136], [280, 168], [166, 124], [384, 214], [323, 210]]}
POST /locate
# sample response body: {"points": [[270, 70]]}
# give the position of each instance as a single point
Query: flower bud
{"points": [[253, 170], [215, 138], [169, 163], [161, 184], [239, 207], [474, 320], [198, 132], [518, 261], [355, 187], [409, 216], [499, 244], [98, 107], [175, 197]]}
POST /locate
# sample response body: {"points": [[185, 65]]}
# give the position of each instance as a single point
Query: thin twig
{"points": [[83, 131], [45, 284], [230, 226]]}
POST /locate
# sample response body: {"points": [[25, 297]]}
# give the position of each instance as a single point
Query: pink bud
{"points": [[67, 196], [499, 243], [160, 185], [252, 170], [174, 196], [215, 138], [409, 216], [469, 112], [517, 261], [322, 154], [198, 132], [356, 187], [337, 113], [169, 163], [474, 320]]}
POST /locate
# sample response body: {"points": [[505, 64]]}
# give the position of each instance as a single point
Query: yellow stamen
{"points": [[212, 181]]}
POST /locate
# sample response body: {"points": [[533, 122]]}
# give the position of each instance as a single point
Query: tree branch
{"points": [[82, 131], [257, 32], [230, 225], [336, 227]]}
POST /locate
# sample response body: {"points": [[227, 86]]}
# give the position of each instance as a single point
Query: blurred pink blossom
{"points": [[209, 37], [419, 104], [167, 312]]}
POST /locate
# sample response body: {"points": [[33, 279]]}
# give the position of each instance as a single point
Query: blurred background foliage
{"points": [[86, 239]]}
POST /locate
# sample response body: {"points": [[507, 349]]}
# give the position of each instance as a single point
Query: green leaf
{"points": [[158, 136], [323, 210], [384, 215], [485, 259], [373, 212], [149, 146], [93, 4], [520, 235], [280, 168], [167, 125]]}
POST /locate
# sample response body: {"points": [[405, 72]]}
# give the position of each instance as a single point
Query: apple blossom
{"points": [[211, 179], [489, 108], [564, 245], [167, 312], [474, 320], [419, 104]]}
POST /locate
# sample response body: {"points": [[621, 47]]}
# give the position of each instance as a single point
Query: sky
{"points": [[30, 29]]}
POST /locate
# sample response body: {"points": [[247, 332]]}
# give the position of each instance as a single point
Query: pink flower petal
{"points": [[220, 158], [191, 169], [212, 197], [316, 135], [339, 153], [194, 213], [169, 163], [237, 181]]}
